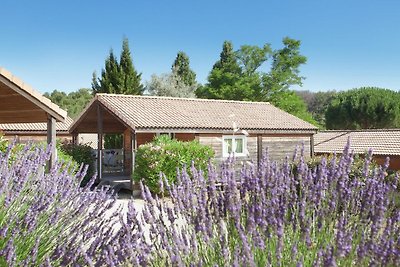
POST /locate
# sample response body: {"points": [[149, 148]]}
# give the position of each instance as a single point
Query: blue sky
{"points": [[58, 44]]}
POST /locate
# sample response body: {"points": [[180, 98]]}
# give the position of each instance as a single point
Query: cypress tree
{"points": [[130, 78], [118, 77], [181, 67]]}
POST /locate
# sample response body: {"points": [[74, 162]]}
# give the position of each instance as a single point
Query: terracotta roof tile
{"points": [[35, 127], [149, 112], [381, 141]]}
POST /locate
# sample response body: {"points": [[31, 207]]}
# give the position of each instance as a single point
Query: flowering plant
{"points": [[166, 155], [272, 216]]}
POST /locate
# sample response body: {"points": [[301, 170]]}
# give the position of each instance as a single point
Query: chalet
{"points": [[383, 142], [36, 131], [246, 128]]}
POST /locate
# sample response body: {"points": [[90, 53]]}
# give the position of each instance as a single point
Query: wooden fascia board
{"points": [[106, 108], [82, 115], [223, 131], [96, 101]]}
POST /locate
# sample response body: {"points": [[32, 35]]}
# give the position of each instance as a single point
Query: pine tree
{"points": [[227, 61], [181, 67], [110, 81], [118, 77], [130, 78], [223, 78]]}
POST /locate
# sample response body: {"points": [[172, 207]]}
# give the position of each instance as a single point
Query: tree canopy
{"points": [[73, 103], [317, 104], [169, 84], [181, 67], [237, 75], [118, 77], [364, 108]]}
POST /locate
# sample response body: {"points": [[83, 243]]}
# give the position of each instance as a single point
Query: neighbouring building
{"points": [[383, 142], [246, 128], [36, 132], [20, 103]]}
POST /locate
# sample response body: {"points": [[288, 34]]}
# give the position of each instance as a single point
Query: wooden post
{"points": [[51, 139], [99, 142], [259, 149], [134, 147], [312, 145], [75, 140]]}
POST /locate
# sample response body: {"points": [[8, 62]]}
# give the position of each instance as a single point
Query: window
{"points": [[234, 145], [171, 135]]}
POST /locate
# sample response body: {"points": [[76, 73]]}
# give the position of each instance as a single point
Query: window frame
{"points": [[225, 153], [170, 134]]}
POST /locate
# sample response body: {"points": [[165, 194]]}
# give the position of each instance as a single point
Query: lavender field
{"points": [[285, 214]]}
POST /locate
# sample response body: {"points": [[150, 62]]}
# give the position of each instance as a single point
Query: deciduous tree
{"points": [[237, 76], [74, 102], [170, 84], [317, 104]]}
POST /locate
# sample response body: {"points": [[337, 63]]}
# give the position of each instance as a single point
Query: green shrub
{"points": [[165, 155], [81, 154], [3, 144]]}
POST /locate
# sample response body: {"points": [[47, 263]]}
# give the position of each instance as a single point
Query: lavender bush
{"points": [[46, 218], [266, 216], [272, 216]]}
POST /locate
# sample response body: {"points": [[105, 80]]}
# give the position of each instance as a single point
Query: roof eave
{"points": [[223, 130], [29, 93]]}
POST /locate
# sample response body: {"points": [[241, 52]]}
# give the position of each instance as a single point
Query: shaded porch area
{"points": [[114, 165], [19, 103]]}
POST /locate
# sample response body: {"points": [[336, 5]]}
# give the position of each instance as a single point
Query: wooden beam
{"points": [[134, 148], [75, 140], [51, 139], [99, 142], [312, 145], [259, 149]]}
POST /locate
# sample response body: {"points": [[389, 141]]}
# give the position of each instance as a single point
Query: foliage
{"points": [[113, 141], [272, 215], [290, 102], [3, 144], [364, 108], [319, 217], [181, 68], [165, 155], [118, 77], [81, 154], [317, 104], [46, 217], [238, 76], [73, 103], [251, 57], [285, 68], [223, 77], [170, 84]]}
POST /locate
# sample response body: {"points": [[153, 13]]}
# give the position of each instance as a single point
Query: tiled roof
{"points": [[150, 112], [36, 127], [381, 141]]}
